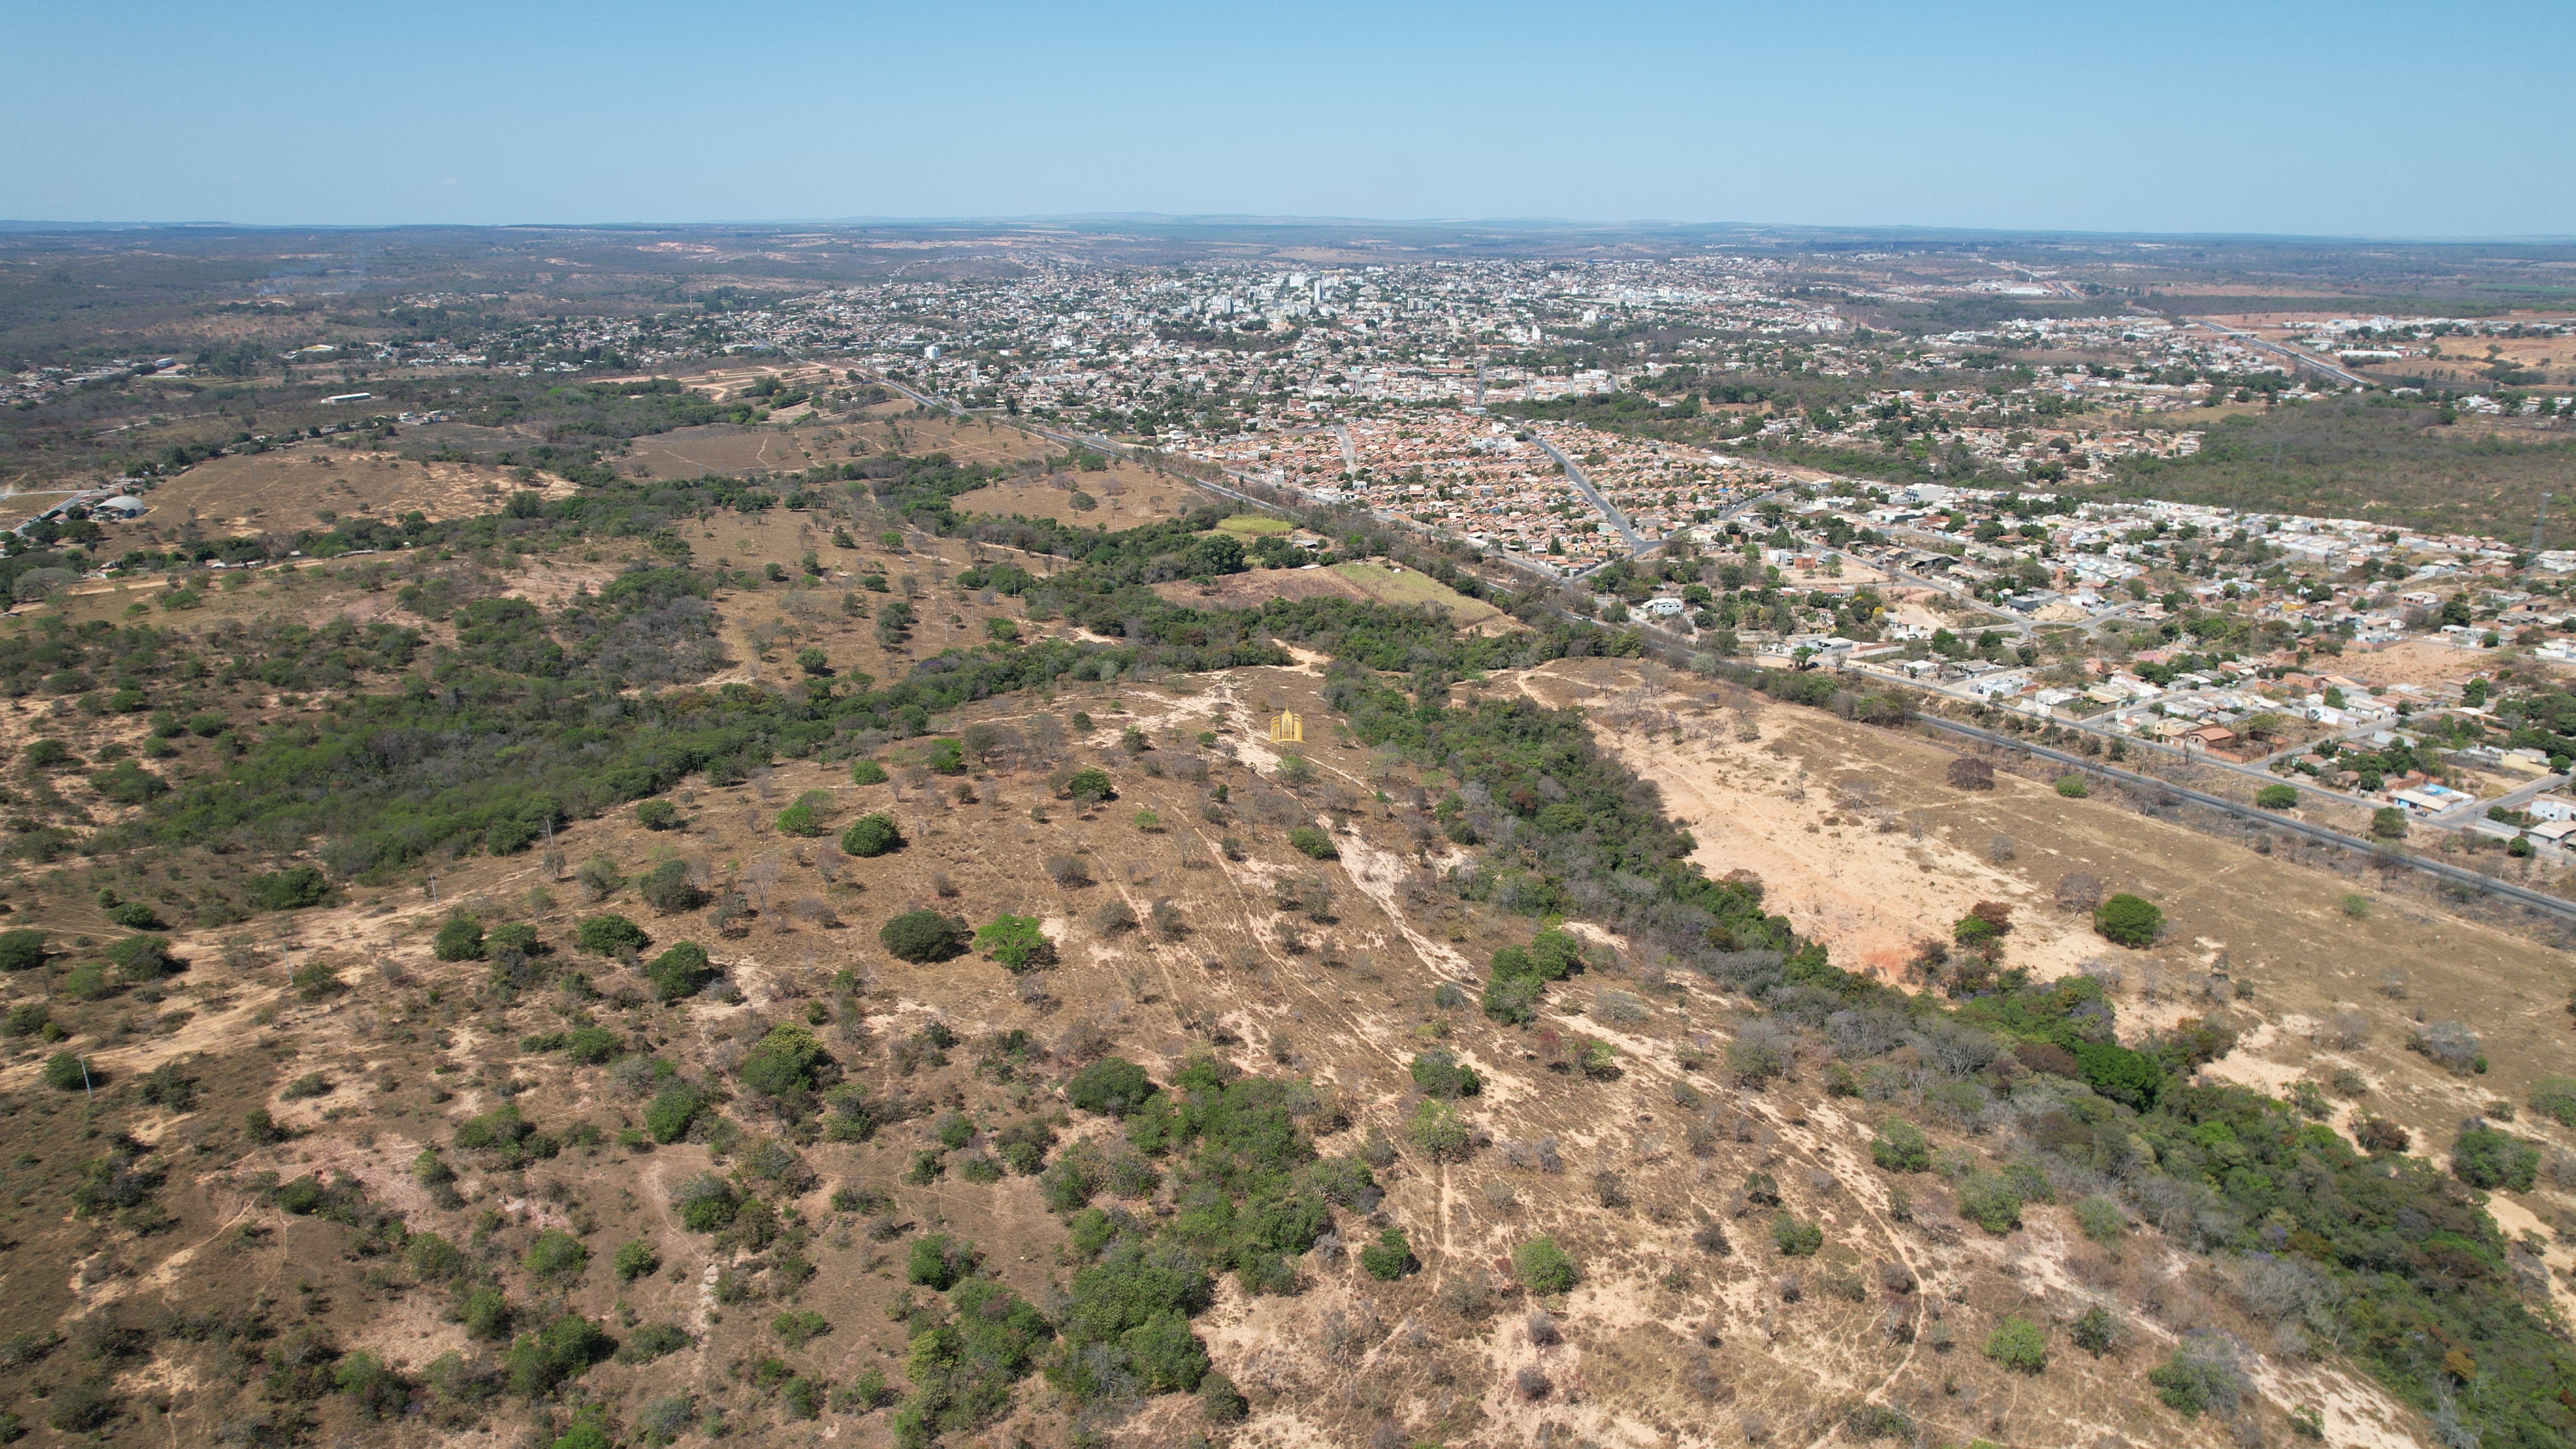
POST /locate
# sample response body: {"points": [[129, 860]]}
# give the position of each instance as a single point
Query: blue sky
{"points": [[2349, 119]]}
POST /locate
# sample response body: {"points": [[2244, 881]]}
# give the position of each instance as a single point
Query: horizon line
{"points": [[38, 226]]}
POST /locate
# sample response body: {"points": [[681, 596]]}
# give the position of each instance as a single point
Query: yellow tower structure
{"points": [[1287, 729]]}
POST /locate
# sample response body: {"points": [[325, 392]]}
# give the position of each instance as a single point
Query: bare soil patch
{"points": [[727, 448], [1123, 497], [1825, 812], [287, 489]]}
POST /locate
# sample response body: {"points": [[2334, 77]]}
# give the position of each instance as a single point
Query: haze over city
{"points": [[2292, 119]]}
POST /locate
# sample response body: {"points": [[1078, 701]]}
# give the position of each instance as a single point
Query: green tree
{"points": [[2201, 1376], [539, 1361], [939, 1262], [2096, 1331], [2555, 1099], [293, 889], [1900, 1147], [2017, 1344], [1439, 1132], [2483, 1157], [668, 889], [1087, 784], [1543, 1267], [924, 936], [556, 1254], [2128, 921], [1112, 1085], [2277, 797], [1018, 942], [787, 1060], [706, 1203], [21, 950], [1390, 1257], [634, 1260], [680, 972], [1438, 1073], [610, 935], [673, 1109], [870, 836], [1795, 1238], [460, 938]]}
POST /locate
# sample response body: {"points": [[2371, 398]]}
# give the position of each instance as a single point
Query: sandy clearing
{"points": [[1869, 894]]}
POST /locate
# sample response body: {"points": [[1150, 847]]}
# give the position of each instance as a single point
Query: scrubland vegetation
{"points": [[925, 1099]]}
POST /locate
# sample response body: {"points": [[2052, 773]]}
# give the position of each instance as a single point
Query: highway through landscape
{"points": [[2289, 354]]}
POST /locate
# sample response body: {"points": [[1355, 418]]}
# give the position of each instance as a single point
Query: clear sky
{"points": [[2355, 118]]}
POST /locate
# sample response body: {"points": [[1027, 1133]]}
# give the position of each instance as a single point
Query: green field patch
{"points": [[1412, 586], [1253, 525]]}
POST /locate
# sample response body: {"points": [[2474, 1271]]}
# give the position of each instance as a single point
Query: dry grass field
{"points": [[1862, 842], [1124, 494], [1255, 525], [1394, 584], [1661, 1342], [1122, 497], [289, 488], [1634, 1172], [1253, 587], [733, 449]]}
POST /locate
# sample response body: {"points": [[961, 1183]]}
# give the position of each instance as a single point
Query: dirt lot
{"points": [[1124, 497], [287, 489], [729, 449], [2416, 662], [1127, 495]]}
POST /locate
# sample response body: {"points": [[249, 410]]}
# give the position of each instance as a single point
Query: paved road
{"points": [[2252, 770], [2267, 819], [1637, 542], [1679, 646], [69, 500], [2291, 354]]}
